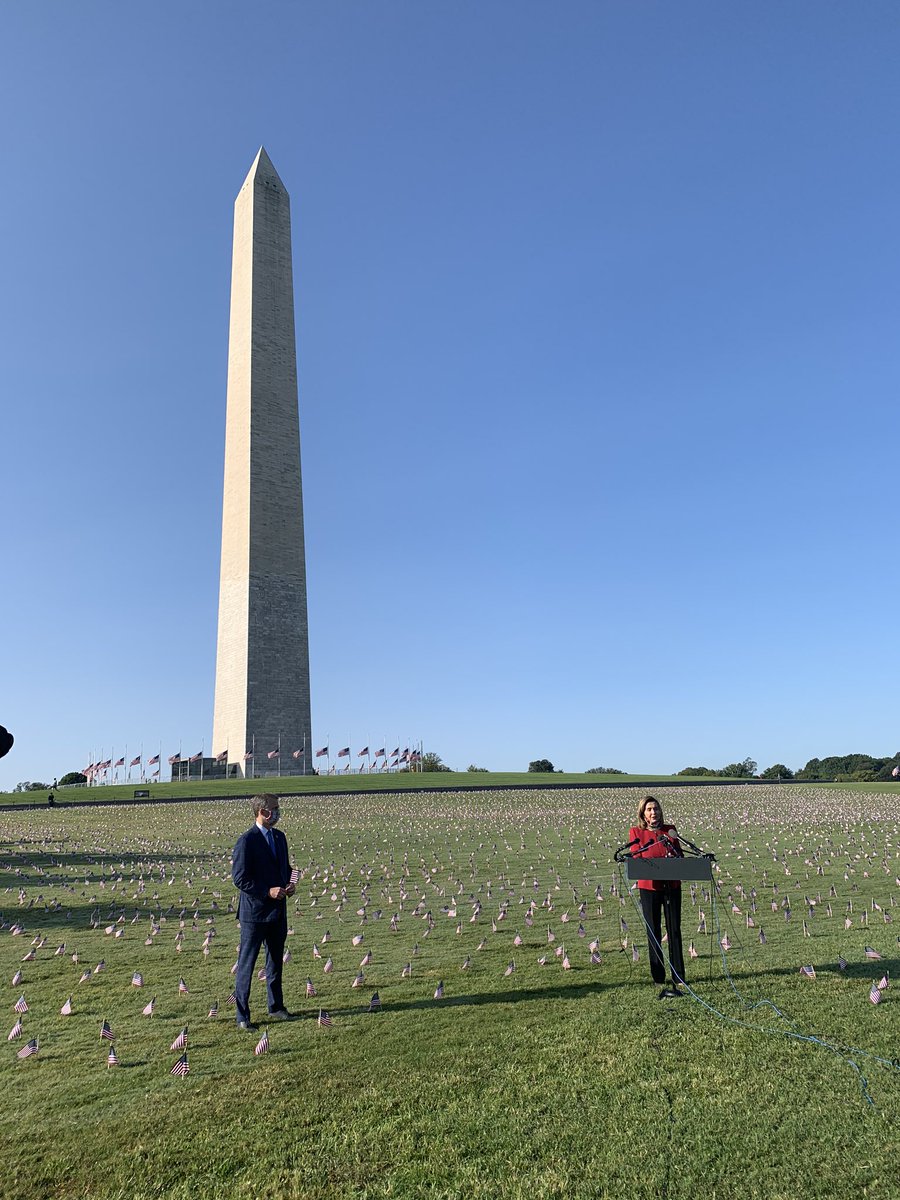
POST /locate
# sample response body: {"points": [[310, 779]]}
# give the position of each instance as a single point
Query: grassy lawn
{"points": [[542, 1082], [297, 785]]}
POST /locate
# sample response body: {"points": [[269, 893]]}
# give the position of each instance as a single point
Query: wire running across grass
{"points": [[847, 1054]]}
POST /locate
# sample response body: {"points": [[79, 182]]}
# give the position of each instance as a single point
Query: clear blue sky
{"points": [[597, 309]]}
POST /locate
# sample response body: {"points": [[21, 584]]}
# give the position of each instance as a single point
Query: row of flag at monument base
{"points": [[104, 769]]}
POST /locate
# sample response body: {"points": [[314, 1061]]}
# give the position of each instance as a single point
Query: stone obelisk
{"points": [[262, 658]]}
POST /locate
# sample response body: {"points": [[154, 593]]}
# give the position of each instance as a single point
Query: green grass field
{"points": [[328, 784], [295, 785], [542, 1082]]}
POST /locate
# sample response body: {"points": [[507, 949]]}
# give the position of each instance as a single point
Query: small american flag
{"points": [[111, 1058], [214, 1010], [181, 1041], [66, 1010], [28, 1049], [375, 1002], [842, 963], [182, 987], [147, 1010], [21, 1005], [17, 979], [15, 1032], [262, 1046], [106, 1033], [181, 1067], [324, 1021], [873, 954], [510, 968], [137, 979], [310, 989], [808, 972], [875, 994], [231, 1000], [439, 991]]}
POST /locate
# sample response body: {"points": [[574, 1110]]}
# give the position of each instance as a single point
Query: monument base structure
{"points": [[262, 700]]}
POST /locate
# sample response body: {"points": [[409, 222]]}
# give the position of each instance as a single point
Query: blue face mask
{"points": [[274, 818]]}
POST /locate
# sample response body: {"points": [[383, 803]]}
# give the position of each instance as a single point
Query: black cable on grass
{"points": [[793, 1033]]}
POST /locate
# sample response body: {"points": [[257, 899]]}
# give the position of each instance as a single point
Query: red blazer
{"points": [[649, 838]]}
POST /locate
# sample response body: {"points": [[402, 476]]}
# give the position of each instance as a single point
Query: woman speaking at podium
{"points": [[652, 838]]}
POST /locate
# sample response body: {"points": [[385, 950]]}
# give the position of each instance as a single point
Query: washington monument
{"points": [[262, 657]]}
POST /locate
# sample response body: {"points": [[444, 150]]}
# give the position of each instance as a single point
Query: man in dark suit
{"points": [[261, 872]]}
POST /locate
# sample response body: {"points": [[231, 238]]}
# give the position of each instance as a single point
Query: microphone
{"points": [[622, 849]]}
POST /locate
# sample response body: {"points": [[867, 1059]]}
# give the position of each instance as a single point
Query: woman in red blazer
{"points": [[654, 839]]}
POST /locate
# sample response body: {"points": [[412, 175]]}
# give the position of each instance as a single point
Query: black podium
{"points": [[664, 870]]}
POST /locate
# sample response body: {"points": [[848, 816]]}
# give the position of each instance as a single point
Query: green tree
{"points": [[543, 765], [777, 771], [73, 777], [604, 771], [433, 762], [698, 771], [741, 770], [811, 770], [471, 767]]}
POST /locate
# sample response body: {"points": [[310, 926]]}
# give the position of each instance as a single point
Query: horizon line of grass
{"points": [[451, 781]]}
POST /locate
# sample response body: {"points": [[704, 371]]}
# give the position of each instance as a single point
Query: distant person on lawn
{"points": [[261, 871], [655, 839]]}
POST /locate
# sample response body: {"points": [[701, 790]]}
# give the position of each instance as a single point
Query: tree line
{"points": [[840, 768]]}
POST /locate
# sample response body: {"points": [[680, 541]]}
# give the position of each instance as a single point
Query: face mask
{"points": [[274, 818]]}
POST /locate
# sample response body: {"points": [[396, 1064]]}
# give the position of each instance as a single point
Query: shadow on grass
{"points": [[574, 991], [580, 991]]}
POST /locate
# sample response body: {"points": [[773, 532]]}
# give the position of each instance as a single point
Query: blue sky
{"points": [[597, 315]]}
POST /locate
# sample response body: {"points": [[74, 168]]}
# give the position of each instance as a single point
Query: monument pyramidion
{"points": [[262, 721]]}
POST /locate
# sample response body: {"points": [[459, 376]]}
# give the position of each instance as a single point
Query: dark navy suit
{"points": [[255, 869]]}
